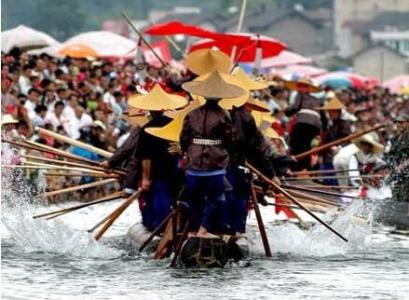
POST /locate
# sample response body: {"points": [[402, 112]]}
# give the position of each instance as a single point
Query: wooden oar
{"points": [[328, 187], [67, 163], [180, 244], [116, 213], [315, 172], [288, 195], [315, 199], [109, 197], [155, 232], [294, 187], [54, 167], [80, 187], [339, 141], [68, 174], [103, 221], [260, 223], [59, 152], [330, 177], [73, 142]]}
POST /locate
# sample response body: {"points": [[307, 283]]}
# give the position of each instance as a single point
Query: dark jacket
{"points": [[304, 108], [339, 129], [207, 122], [126, 156], [250, 144], [164, 166]]}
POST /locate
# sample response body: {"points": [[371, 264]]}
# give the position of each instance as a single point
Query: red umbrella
{"points": [[176, 27], [247, 48]]}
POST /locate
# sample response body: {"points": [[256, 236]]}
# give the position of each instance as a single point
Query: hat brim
{"points": [[223, 91], [157, 100], [377, 147], [257, 105], [301, 87]]}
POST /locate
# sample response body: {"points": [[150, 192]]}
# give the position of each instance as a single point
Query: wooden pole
{"points": [[80, 187], [109, 197], [339, 141], [313, 198], [241, 17], [67, 163], [330, 177], [288, 195], [67, 174], [59, 152], [180, 244], [54, 167], [103, 221], [155, 232], [129, 21], [260, 223], [73, 142], [116, 213], [292, 187], [323, 172]]}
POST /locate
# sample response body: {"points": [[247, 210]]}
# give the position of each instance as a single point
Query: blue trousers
{"points": [[207, 203], [157, 204], [329, 167], [237, 199]]}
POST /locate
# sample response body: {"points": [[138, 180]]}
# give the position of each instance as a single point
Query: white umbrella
{"points": [[25, 38], [51, 51], [104, 43]]}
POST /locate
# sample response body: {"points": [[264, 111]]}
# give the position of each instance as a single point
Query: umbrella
{"points": [[283, 59], [246, 49], [300, 71], [50, 50], [345, 79], [104, 43], [25, 38], [78, 51], [176, 27], [397, 84]]}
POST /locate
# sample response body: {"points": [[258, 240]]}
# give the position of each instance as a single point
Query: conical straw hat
{"points": [[333, 104], [136, 117], [8, 119], [370, 139], [261, 118], [204, 61], [301, 85], [270, 133], [214, 86], [247, 82], [157, 100], [258, 105], [172, 130]]}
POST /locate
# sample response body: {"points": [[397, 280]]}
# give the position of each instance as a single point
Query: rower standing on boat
{"points": [[206, 139], [159, 168]]}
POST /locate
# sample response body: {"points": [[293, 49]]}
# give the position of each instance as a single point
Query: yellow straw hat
{"points": [[157, 100], [8, 119], [270, 133], [302, 85], [172, 130], [204, 61], [333, 104], [258, 105], [247, 82], [263, 117], [136, 117], [214, 86]]}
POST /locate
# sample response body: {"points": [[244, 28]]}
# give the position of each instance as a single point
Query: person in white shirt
{"points": [[24, 82], [56, 118], [69, 109], [39, 118], [81, 120], [33, 98]]}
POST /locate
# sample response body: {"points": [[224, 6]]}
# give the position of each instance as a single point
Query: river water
{"points": [[58, 259]]}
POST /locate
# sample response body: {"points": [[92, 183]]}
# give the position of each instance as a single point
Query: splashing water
{"points": [[40, 235], [318, 241]]}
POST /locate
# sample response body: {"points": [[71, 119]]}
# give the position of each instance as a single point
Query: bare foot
{"points": [[203, 233]]}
